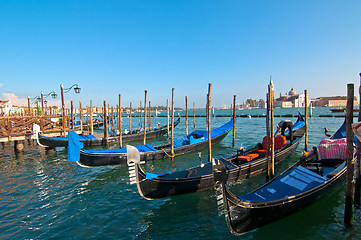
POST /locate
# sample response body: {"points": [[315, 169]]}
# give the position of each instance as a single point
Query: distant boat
{"points": [[342, 110]]}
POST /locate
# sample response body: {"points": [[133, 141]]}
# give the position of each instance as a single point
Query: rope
{"points": [[168, 154]]}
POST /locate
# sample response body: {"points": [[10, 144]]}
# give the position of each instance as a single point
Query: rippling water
{"points": [[42, 196]]}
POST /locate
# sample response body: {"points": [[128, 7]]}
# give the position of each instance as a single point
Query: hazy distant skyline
{"points": [[126, 47]]}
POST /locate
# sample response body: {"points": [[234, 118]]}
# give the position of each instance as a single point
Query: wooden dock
{"points": [[21, 127]]}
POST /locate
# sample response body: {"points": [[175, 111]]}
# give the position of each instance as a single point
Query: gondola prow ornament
{"points": [[133, 159]]}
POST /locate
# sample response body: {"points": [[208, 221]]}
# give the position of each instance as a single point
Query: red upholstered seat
{"points": [[264, 143], [262, 152], [280, 142], [248, 157]]}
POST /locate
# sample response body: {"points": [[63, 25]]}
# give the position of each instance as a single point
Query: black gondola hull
{"points": [[161, 187], [99, 159], [242, 217], [154, 188], [155, 133], [259, 166]]}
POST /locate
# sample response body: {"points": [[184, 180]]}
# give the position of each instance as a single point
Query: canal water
{"points": [[42, 196]]}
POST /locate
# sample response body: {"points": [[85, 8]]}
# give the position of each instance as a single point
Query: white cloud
{"points": [[15, 100], [1, 85]]}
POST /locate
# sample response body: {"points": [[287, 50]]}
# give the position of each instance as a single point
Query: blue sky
{"points": [[111, 47]]}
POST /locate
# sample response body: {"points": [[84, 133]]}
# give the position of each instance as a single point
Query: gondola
{"points": [[342, 110], [91, 140], [238, 166], [317, 174], [190, 143]]}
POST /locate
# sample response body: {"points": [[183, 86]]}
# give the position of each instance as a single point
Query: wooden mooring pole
{"points": [[130, 117], [209, 122], [306, 130], [112, 121], [63, 109], [91, 118], [168, 118], [150, 116], [72, 114], [270, 133], [81, 117], [357, 198], [172, 144], [186, 99], [105, 125], [268, 138], [194, 115], [272, 130], [19, 146], [145, 117], [234, 121], [350, 157], [120, 122], [87, 119]]}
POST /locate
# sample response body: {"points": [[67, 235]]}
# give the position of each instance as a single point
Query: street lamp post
{"points": [[65, 90], [53, 95], [29, 107], [42, 103]]}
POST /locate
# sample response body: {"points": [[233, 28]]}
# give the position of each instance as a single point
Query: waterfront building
{"points": [[290, 100], [5, 107], [335, 101]]}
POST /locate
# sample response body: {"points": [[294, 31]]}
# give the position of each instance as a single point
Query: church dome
{"points": [[292, 92]]}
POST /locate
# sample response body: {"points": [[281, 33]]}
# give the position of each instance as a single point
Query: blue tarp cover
{"points": [[80, 137], [205, 169], [202, 135], [341, 133], [298, 125], [74, 147], [288, 184], [153, 175], [141, 148]]}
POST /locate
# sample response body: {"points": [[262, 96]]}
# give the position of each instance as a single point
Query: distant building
{"points": [[337, 101], [290, 100], [5, 107]]}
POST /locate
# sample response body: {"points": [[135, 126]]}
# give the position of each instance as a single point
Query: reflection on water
{"points": [[42, 196]]}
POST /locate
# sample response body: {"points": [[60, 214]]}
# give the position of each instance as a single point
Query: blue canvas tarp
{"points": [[202, 135], [66, 138], [141, 148], [74, 146], [288, 184]]}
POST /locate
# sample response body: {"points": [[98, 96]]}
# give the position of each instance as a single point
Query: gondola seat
{"points": [[248, 157], [262, 152], [280, 142], [332, 149]]}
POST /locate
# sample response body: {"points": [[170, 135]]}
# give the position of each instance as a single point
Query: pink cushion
{"points": [[333, 149]]}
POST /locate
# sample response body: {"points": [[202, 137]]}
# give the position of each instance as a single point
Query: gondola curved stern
{"points": [[235, 211], [136, 173]]}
